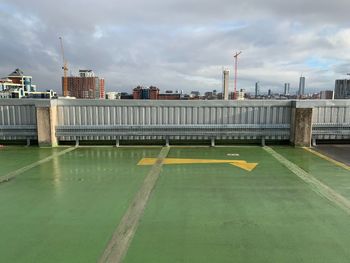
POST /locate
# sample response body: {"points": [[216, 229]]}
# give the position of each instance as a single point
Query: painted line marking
{"points": [[343, 165], [124, 233], [239, 163], [13, 174], [316, 185]]}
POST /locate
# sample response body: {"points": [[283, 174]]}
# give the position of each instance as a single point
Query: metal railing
{"points": [[130, 132]]}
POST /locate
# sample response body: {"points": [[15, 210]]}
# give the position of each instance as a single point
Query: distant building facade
{"points": [[112, 95], [257, 90], [18, 85], [169, 96], [342, 89], [225, 83], [286, 89], [301, 91], [142, 93], [85, 86], [241, 94], [326, 95]]}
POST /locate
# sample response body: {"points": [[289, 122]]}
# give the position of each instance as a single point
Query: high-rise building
{"points": [[85, 86], [301, 86], [225, 82], [342, 89], [286, 89], [257, 90]]}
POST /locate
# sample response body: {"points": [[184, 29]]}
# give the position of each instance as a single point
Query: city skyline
{"points": [[178, 44]]}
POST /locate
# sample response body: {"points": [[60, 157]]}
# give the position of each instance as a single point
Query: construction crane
{"points": [[65, 70], [236, 70]]}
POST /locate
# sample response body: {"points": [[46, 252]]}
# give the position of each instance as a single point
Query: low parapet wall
{"points": [[51, 121]]}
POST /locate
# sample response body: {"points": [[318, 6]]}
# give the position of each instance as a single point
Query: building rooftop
{"points": [[17, 73]]}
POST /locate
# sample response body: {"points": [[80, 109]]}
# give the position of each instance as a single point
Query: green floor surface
{"points": [[221, 213], [13, 158], [67, 209], [327, 172]]}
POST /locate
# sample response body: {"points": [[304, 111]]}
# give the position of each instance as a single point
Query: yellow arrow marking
{"points": [[239, 163]]}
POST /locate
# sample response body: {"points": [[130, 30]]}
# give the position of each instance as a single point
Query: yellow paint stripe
{"points": [[343, 165], [239, 163]]}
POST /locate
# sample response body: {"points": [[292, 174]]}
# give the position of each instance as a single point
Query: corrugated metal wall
{"points": [[17, 115], [331, 122], [174, 115], [71, 113], [331, 119], [331, 114], [17, 122]]}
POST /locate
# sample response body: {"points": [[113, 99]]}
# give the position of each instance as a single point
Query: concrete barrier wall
{"points": [[97, 112], [202, 114], [242, 119]]}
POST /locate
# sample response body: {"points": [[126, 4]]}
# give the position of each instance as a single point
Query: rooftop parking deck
{"points": [[173, 204]]}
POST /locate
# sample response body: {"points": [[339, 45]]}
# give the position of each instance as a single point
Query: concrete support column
{"points": [[212, 142], [46, 119], [53, 124], [167, 141], [301, 126], [43, 126]]}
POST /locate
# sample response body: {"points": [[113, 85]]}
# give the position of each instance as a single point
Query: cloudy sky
{"points": [[178, 44]]}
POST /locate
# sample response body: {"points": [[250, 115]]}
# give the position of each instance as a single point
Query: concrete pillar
{"points": [[46, 119], [43, 126], [167, 141], [53, 124], [301, 126], [212, 142]]}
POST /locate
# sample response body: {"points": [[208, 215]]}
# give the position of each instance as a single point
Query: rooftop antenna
{"points": [[236, 71]]}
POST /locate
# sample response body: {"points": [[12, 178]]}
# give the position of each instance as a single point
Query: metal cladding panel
{"points": [[17, 122], [171, 115], [97, 113], [17, 115], [331, 114], [331, 122]]}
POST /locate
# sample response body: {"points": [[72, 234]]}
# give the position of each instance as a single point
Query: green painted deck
{"points": [[66, 209]]}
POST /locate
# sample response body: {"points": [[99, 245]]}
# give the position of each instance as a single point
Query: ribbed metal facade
{"points": [[150, 114], [131, 119], [331, 122], [17, 122]]}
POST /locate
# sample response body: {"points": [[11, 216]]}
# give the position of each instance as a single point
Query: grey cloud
{"points": [[176, 44]]}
